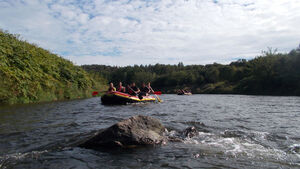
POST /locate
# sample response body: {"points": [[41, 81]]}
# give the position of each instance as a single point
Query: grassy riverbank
{"points": [[32, 74]]}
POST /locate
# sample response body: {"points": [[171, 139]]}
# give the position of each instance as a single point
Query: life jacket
{"points": [[111, 89], [129, 91], [145, 90], [132, 90], [121, 89]]}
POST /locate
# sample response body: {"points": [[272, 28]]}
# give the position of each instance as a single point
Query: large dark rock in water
{"points": [[137, 130]]}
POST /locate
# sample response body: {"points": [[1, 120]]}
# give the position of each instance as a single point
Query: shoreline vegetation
{"points": [[271, 73], [31, 74]]}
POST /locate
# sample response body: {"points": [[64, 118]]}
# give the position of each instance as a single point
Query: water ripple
{"points": [[235, 131]]}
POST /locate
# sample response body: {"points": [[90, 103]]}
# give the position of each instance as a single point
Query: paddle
{"points": [[96, 92], [158, 99], [132, 90], [157, 93]]}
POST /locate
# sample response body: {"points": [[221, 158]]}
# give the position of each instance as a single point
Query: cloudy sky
{"points": [[131, 32]]}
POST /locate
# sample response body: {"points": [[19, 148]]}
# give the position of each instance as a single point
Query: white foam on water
{"points": [[240, 147], [20, 156], [295, 149], [190, 141], [171, 133], [261, 134], [204, 134], [255, 134], [200, 138]]}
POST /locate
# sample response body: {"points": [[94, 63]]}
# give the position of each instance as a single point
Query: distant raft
{"points": [[111, 98], [186, 93]]}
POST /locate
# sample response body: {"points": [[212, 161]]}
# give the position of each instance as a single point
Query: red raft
{"points": [[124, 98]]}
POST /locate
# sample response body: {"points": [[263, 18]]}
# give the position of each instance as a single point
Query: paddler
{"points": [[111, 87], [152, 91], [121, 88], [149, 87], [146, 90], [133, 89]]}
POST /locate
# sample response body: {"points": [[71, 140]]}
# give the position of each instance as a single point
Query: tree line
{"points": [[271, 73]]}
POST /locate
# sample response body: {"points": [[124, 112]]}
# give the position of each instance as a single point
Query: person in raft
{"points": [[111, 87], [146, 90], [180, 91], [149, 87], [133, 89], [121, 88]]}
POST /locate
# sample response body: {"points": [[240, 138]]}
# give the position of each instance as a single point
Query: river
{"points": [[235, 131]]}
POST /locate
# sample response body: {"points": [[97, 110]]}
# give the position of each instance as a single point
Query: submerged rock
{"points": [[137, 130], [180, 136], [190, 132]]}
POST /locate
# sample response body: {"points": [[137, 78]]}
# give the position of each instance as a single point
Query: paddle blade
{"points": [[158, 99], [95, 93], [157, 93]]}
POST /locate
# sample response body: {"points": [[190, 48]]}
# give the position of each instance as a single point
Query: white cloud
{"points": [[149, 32]]}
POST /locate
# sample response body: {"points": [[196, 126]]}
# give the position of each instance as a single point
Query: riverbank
{"points": [[31, 74], [223, 88]]}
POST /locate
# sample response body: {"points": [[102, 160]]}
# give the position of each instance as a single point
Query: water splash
{"points": [[236, 144], [295, 149], [11, 159]]}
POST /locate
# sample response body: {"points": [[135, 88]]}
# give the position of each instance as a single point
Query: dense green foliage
{"points": [[270, 74], [30, 74]]}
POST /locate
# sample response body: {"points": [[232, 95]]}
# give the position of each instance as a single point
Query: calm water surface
{"points": [[235, 131]]}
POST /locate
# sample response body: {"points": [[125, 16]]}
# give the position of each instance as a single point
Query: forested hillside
{"points": [[31, 74], [270, 74]]}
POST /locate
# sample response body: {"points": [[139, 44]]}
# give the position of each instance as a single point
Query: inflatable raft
{"points": [[188, 93], [124, 98]]}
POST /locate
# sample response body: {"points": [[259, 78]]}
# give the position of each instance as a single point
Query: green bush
{"points": [[32, 74]]}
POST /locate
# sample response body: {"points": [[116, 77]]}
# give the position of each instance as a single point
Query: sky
{"points": [[121, 33]]}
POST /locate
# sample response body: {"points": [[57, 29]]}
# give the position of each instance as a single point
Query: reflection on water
{"points": [[235, 131]]}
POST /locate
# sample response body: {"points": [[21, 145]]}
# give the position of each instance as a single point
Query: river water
{"points": [[235, 131]]}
